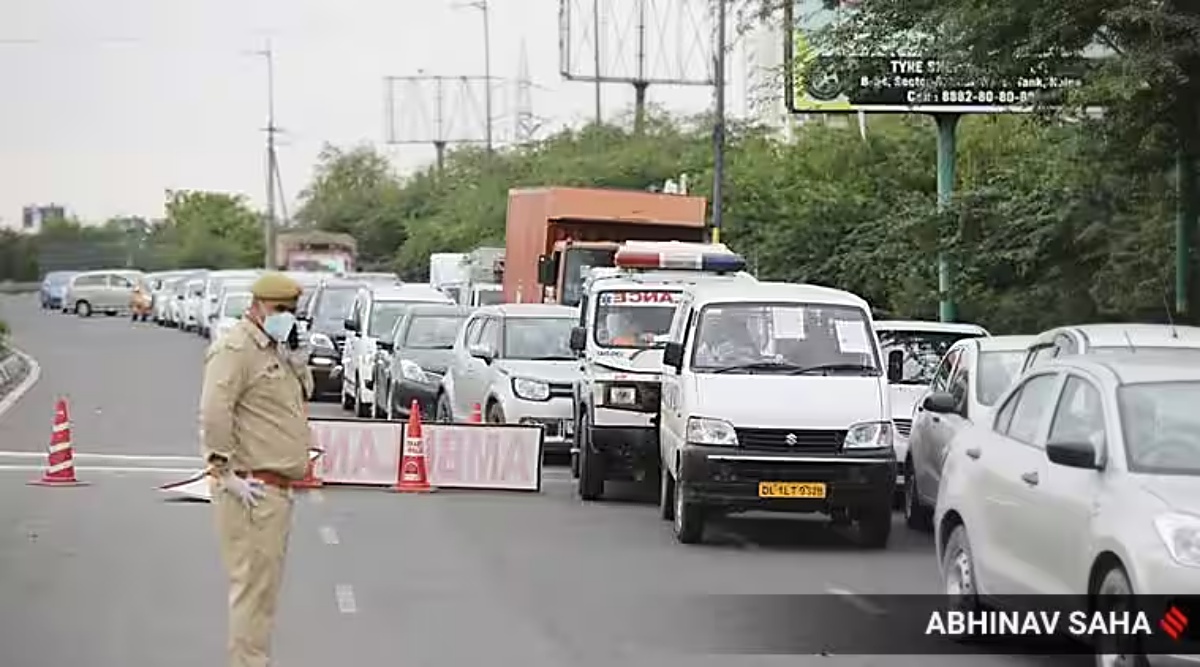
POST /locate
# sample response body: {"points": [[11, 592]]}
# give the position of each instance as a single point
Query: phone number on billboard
{"points": [[1015, 97]]}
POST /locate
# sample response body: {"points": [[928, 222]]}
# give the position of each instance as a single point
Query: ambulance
{"points": [[625, 313]]}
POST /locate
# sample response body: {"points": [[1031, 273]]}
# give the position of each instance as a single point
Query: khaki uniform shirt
{"points": [[253, 409]]}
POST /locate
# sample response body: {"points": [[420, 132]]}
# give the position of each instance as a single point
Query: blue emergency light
{"points": [[714, 262]]}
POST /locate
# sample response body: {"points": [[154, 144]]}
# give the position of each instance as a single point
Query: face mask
{"points": [[279, 326]]}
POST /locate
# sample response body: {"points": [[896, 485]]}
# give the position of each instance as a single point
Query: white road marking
{"points": [[31, 378], [857, 601], [329, 535], [167, 471], [345, 599], [108, 457]]}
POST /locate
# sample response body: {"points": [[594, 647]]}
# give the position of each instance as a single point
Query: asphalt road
{"points": [[115, 575]]}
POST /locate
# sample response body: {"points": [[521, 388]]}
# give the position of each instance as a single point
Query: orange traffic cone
{"points": [[60, 467], [477, 414], [412, 475], [310, 481]]}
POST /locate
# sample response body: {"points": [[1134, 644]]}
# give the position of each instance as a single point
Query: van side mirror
{"points": [[578, 339], [483, 353], [895, 366], [350, 324], [673, 356], [547, 270], [1073, 454], [940, 402]]}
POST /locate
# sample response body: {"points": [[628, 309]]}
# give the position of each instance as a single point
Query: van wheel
{"points": [[916, 514], [83, 309], [689, 517], [591, 464], [495, 414], [875, 525], [1115, 595], [666, 494]]}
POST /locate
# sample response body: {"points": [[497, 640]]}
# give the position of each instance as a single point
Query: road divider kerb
{"points": [[31, 377]]}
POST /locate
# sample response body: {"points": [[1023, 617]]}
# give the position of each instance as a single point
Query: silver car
{"points": [[1111, 338], [1085, 482], [108, 292]]}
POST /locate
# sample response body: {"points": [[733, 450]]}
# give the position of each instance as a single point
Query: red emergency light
{"points": [[715, 262]]}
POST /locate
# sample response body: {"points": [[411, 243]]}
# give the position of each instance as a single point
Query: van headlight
{"points": [[705, 431], [869, 435], [531, 390], [411, 371], [1181, 535]]}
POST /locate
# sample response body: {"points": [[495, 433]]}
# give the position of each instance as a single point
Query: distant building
{"points": [[33, 217]]}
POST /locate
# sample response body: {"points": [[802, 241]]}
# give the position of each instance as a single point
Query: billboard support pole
{"points": [[947, 128]]}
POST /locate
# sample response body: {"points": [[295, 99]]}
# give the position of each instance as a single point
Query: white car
{"points": [[963, 391], [214, 284], [1085, 482], [913, 349], [774, 398], [372, 317], [515, 364], [229, 310], [193, 304]]}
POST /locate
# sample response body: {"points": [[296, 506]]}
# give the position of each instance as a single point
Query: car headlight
{"points": [[705, 431], [531, 390], [412, 371], [1181, 535], [869, 435]]}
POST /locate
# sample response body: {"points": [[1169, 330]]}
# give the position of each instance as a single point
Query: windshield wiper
{"points": [[760, 365], [800, 370]]}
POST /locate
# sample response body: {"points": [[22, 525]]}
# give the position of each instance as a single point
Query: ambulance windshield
{"points": [[634, 318]]}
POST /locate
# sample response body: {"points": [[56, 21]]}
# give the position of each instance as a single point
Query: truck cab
{"points": [[625, 313], [561, 273]]}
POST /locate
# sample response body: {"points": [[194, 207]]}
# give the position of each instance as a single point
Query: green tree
{"points": [[209, 229]]}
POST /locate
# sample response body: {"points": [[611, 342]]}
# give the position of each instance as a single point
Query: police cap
{"points": [[275, 286]]}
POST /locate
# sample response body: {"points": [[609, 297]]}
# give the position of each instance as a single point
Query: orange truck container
{"points": [[554, 235]]}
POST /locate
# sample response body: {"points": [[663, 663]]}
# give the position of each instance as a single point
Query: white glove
{"points": [[246, 489]]}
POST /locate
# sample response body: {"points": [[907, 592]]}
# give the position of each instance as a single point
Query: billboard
{"points": [[820, 82]]}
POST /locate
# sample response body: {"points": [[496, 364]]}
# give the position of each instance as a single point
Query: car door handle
{"points": [[974, 452], [1030, 478]]}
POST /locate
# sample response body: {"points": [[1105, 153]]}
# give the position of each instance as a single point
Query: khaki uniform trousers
{"points": [[253, 547]]}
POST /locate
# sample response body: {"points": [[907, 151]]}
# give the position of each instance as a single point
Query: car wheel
{"points": [[666, 494], [1114, 595], [442, 413], [916, 514], [688, 520], [495, 414], [347, 399], [958, 572], [591, 464], [83, 309], [361, 410], [875, 525]]}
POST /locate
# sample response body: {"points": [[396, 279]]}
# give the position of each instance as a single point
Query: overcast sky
{"points": [[109, 102]]}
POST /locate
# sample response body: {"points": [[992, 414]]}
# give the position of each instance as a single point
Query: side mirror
{"points": [[483, 353], [895, 366], [350, 324], [578, 339], [547, 270], [673, 356], [940, 402], [1072, 454], [385, 345]]}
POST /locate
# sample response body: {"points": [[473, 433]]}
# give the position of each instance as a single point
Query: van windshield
{"points": [[789, 338], [634, 318], [921, 351]]}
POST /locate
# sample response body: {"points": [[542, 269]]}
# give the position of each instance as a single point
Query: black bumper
{"points": [[405, 392], [728, 478], [626, 449]]}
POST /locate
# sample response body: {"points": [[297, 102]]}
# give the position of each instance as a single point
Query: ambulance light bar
{"points": [[715, 262]]}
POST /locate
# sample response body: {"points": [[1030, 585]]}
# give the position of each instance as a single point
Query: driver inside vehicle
{"points": [[730, 341]]}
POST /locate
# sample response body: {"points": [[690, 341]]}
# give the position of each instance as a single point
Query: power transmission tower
{"points": [[437, 110], [526, 125]]}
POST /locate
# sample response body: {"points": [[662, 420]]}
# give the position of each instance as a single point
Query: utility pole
{"points": [[482, 6], [272, 161], [596, 60], [718, 196]]}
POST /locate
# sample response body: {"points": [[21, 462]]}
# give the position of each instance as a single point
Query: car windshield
{"points": [[784, 337], [383, 317], [433, 332], [921, 352], [633, 318], [996, 373], [334, 306], [578, 263], [538, 338], [1162, 427], [235, 305]]}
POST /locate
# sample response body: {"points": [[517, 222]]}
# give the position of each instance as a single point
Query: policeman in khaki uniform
{"points": [[255, 440]]}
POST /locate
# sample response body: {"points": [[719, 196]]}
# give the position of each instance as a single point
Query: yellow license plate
{"points": [[791, 490]]}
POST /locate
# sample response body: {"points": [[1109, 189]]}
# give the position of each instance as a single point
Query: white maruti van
{"points": [[774, 397]]}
